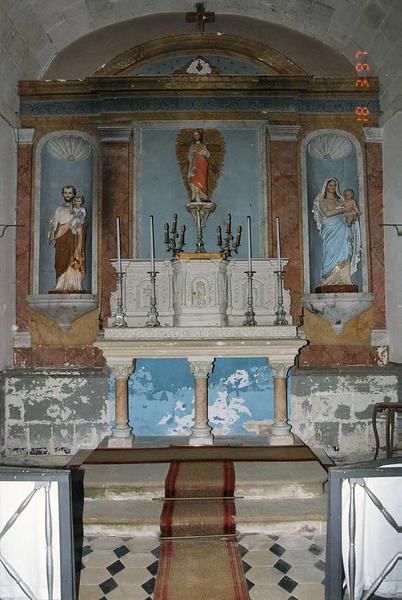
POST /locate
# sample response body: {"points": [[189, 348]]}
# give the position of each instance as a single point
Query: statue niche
{"points": [[335, 208]]}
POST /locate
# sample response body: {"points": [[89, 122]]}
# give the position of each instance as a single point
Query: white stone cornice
{"points": [[25, 136], [121, 370], [373, 134], [283, 133], [201, 367], [113, 133]]}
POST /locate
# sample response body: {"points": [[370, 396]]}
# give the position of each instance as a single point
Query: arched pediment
{"points": [[268, 60]]}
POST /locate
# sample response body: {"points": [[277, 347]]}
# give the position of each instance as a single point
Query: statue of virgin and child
{"points": [[337, 219]]}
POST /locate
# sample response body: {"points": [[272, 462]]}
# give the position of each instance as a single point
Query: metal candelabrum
{"points": [[280, 311], [171, 236], [250, 314], [228, 244], [119, 320], [152, 314]]}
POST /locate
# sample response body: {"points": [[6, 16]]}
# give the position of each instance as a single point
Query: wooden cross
{"points": [[200, 17]]}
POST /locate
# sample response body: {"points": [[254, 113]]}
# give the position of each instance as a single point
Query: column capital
{"points": [[373, 134], [111, 133], [280, 365], [25, 136], [283, 133], [122, 370], [201, 366]]}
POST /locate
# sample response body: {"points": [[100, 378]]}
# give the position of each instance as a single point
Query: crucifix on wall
{"points": [[200, 17]]}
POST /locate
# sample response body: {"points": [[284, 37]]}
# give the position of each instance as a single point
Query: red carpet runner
{"points": [[199, 503]]}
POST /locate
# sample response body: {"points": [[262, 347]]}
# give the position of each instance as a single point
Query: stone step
{"points": [[142, 517], [253, 480]]}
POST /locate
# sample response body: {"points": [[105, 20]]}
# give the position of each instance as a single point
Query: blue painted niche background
{"points": [[163, 193], [161, 396], [345, 170], [56, 173]]}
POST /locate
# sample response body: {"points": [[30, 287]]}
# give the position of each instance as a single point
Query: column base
{"points": [[201, 437], [280, 435], [119, 442]]}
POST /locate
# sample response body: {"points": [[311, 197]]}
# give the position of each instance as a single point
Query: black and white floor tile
{"points": [[289, 566]]}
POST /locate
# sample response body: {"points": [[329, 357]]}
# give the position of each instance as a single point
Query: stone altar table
{"points": [[200, 346]]}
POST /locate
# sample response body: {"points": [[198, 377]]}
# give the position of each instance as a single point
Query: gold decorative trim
{"points": [[269, 60]]}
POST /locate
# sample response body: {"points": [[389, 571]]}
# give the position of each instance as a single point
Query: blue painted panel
{"points": [[56, 173], [226, 65], [345, 170], [161, 396], [163, 193]]}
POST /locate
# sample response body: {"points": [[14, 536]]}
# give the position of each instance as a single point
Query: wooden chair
{"points": [[390, 408]]}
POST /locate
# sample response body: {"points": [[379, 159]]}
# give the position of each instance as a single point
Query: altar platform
{"points": [[278, 489]]}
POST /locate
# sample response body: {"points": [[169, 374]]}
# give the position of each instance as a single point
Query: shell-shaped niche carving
{"points": [[331, 146], [69, 147]]}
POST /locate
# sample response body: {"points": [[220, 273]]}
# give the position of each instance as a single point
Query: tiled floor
{"points": [[286, 567]]}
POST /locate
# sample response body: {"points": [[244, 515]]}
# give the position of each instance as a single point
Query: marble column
{"points": [[280, 433], [122, 434], [201, 432]]}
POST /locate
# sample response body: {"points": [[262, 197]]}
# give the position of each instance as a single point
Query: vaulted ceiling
{"points": [[73, 38]]}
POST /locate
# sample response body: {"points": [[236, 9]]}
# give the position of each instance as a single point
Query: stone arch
{"points": [[269, 60]]}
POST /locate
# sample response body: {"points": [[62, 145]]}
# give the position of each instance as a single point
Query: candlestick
{"points": [[118, 244], [228, 223], [238, 236], [181, 238], [249, 243], [151, 227], [278, 244], [219, 235]]}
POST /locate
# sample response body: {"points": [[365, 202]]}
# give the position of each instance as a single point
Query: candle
{"points": [[118, 244], [278, 244], [151, 228], [250, 268]]}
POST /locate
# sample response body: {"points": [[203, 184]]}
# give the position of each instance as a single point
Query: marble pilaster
{"points": [[374, 172], [23, 217], [115, 156], [284, 162]]}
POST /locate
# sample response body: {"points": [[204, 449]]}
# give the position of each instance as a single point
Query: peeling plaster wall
{"points": [[392, 148], [8, 176], [333, 411], [55, 413]]}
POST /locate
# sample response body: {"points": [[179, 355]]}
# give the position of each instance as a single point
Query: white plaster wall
{"points": [[8, 184], [392, 148]]}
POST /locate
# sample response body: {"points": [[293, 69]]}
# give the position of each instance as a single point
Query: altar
{"points": [[202, 307]]}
